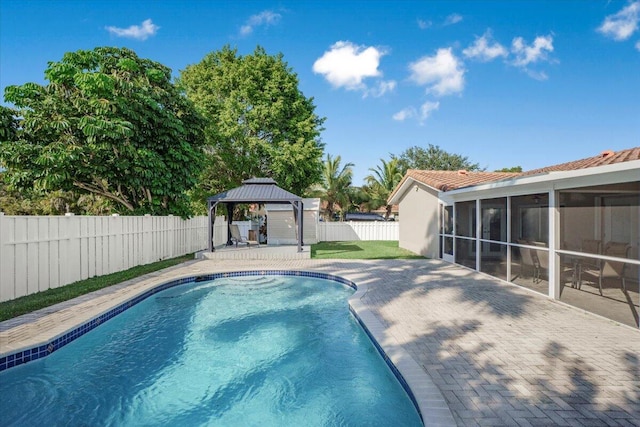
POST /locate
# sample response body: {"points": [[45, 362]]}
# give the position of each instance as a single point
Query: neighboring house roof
{"points": [[363, 216], [256, 190], [607, 157], [383, 209]]}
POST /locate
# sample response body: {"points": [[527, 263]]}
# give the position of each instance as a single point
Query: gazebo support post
{"points": [[230, 207], [211, 211], [297, 215], [210, 226], [301, 224]]}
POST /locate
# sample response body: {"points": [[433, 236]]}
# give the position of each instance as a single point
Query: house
{"points": [[417, 196], [382, 210], [338, 212], [324, 212], [570, 231]]}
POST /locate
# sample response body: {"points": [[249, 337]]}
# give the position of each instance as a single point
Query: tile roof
{"points": [[383, 209], [452, 180], [607, 157]]}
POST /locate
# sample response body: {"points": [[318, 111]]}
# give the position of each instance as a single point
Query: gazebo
{"points": [[254, 190]]}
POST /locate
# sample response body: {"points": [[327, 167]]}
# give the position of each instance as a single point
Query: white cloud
{"points": [[347, 65], [423, 25], [142, 32], [638, 45], [454, 18], [427, 108], [263, 18], [485, 48], [381, 88], [537, 75], [623, 24], [405, 114], [442, 73], [410, 112], [536, 52]]}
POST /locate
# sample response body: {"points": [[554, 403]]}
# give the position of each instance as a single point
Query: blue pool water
{"points": [[241, 351]]}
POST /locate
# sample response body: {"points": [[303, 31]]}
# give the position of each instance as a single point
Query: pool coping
{"points": [[425, 395]]}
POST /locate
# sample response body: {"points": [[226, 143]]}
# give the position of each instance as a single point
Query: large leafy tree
{"points": [[335, 188], [259, 122], [9, 125], [110, 124], [434, 158], [384, 179], [56, 202]]}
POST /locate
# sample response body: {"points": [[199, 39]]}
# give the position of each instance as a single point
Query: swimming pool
{"points": [[245, 350]]}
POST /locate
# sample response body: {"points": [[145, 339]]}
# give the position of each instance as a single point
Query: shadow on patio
{"points": [[502, 355]]}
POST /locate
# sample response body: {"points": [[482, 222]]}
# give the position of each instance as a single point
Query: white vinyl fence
{"points": [[357, 230], [42, 252], [327, 231]]}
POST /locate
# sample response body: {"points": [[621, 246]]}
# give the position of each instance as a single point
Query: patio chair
{"points": [[588, 246], [529, 259], [601, 269], [542, 257], [238, 238], [591, 246], [631, 271], [569, 263]]}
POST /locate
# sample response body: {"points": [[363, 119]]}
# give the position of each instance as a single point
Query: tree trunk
{"points": [[106, 194]]}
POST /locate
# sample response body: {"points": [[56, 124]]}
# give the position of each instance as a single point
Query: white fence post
{"points": [[7, 273]]}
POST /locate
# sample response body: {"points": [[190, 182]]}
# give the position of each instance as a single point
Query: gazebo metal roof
{"points": [[254, 190]]}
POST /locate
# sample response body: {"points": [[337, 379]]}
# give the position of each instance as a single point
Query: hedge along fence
{"points": [[42, 252]]}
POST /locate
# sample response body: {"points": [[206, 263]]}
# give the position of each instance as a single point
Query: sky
{"points": [[503, 83]]}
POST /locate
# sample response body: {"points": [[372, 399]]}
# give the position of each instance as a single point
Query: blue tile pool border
{"points": [[388, 361], [21, 357]]}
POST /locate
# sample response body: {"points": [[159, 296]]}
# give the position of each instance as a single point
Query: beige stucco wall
{"points": [[419, 220]]}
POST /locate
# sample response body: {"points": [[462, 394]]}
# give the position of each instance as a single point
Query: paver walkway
{"points": [[501, 355]]}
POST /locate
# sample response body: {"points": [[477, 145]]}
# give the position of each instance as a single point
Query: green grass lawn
{"points": [[373, 249], [29, 303]]}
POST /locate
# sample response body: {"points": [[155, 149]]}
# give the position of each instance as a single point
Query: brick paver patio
{"points": [[500, 355]]}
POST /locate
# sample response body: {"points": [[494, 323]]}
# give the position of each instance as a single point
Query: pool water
{"points": [[241, 351]]}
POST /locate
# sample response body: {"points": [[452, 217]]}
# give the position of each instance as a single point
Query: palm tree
{"points": [[335, 185], [382, 182]]}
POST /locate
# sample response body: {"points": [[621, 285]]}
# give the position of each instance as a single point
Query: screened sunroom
{"points": [[571, 235]]}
